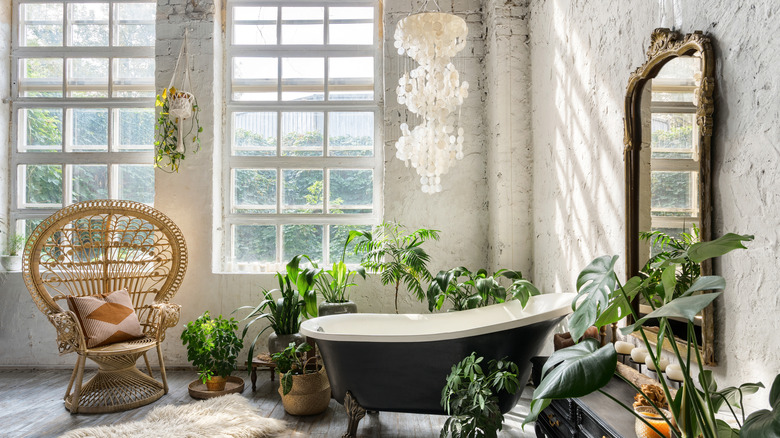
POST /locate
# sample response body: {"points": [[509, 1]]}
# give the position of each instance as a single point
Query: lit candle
{"points": [[674, 372], [638, 354], [623, 347], [662, 363]]}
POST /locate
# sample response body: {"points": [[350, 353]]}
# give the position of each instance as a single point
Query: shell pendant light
{"points": [[434, 92]]}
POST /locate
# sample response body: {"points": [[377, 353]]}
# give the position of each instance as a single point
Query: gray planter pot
{"points": [[325, 308], [11, 263], [277, 343]]}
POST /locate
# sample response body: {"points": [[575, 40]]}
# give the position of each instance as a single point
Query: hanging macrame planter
{"points": [[178, 119], [434, 92]]}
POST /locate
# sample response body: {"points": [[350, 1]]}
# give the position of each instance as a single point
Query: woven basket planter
{"points": [[310, 394]]}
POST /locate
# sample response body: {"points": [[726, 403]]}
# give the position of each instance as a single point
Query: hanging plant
{"points": [[176, 107], [169, 138]]}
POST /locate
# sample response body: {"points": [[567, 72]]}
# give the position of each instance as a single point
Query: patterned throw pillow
{"points": [[106, 319]]}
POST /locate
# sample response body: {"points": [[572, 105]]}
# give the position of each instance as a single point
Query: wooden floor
{"points": [[31, 405]]}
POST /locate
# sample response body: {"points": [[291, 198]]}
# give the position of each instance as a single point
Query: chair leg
{"points": [[72, 378], [148, 367], [74, 399], [162, 369]]}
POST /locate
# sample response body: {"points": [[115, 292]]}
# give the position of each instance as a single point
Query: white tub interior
{"points": [[374, 327]]}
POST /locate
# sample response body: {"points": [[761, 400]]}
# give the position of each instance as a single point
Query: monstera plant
{"points": [[586, 367]]}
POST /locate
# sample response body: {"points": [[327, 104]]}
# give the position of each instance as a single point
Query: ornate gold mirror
{"points": [[668, 129]]}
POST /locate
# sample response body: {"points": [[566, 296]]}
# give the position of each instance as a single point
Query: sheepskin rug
{"points": [[227, 416]]}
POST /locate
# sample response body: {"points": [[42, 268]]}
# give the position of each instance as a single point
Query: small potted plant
{"points": [[212, 347], [333, 283], [11, 260], [396, 256], [304, 386], [284, 314]]}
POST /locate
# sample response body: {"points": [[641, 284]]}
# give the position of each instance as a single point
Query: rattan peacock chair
{"points": [[92, 249]]}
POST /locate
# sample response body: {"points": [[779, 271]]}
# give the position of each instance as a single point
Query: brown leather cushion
{"points": [[106, 319]]}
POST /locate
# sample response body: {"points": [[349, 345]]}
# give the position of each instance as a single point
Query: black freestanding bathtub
{"points": [[399, 363]]}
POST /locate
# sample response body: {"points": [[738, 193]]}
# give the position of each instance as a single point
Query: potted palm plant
{"points": [[304, 386], [586, 367], [212, 347], [11, 260], [397, 256]]}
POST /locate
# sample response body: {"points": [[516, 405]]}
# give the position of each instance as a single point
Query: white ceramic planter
{"points": [[11, 263]]}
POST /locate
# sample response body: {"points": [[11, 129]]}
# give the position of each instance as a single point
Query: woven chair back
{"points": [[97, 247]]}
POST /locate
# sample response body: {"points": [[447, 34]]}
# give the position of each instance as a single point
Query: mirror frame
{"points": [[665, 45]]}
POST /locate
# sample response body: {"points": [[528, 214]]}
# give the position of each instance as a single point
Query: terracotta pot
{"points": [[277, 343], [310, 394], [216, 383], [325, 308]]}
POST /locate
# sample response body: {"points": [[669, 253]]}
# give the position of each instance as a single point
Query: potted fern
{"points": [[11, 260], [212, 347]]}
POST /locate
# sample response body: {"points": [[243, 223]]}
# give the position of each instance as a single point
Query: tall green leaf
{"points": [[715, 248], [683, 307]]}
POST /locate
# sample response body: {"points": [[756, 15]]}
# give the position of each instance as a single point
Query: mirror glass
{"points": [[668, 134]]}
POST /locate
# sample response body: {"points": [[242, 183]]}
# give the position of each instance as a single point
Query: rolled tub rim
{"points": [[310, 328]]}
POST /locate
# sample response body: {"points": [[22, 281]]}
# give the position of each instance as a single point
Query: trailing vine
{"points": [[166, 151]]}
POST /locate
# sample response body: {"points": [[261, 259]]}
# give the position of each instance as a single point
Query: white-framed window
{"points": [[82, 110], [303, 149], [674, 148]]}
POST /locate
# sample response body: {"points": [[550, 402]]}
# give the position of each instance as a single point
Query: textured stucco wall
{"points": [[191, 196], [508, 133], [581, 54]]}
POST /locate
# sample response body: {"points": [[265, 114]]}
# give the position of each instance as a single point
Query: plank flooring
{"points": [[31, 405]]}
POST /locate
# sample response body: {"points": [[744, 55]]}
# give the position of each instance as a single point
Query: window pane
{"points": [[302, 134], [302, 239], [28, 225], [43, 185], [255, 133], [680, 68], [133, 77], [134, 129], [90, 182], [135, 24], [136, 183], [89, 130], [348, 26], [672, 96], [40, 130], [254, 243], [87, 77], [673, 135], [302, 25], [672, 193], [254, 25], [351, 134], [88, 24], [302, 191], [351, 191], [40, 77], [338, 236], [41, 24], [255, 78], [255, 191], [351, 78], [303, 79]]}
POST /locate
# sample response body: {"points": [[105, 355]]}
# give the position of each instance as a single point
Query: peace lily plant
{"points": [[602, 300]]}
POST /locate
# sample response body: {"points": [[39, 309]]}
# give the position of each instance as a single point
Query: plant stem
{"points": [[639, 390], [397, 283]]}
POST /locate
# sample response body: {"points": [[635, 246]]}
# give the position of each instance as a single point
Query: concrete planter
{"points": [[325, 308], [11, 263], [277, 343]]}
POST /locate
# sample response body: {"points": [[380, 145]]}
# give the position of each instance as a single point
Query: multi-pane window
{"points": [[674, 148], [82, 106], [303, 160]]}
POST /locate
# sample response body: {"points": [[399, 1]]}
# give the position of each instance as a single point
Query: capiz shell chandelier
{"points": [[434, 92]]}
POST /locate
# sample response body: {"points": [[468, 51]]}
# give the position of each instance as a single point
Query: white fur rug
{"points": [[227, 416]]}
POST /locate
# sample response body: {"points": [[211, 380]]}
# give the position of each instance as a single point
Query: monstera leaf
{"points": [[595, 284], [765, 423]]}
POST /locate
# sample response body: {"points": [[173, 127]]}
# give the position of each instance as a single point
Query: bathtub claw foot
{"points": [[355, 413]]}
